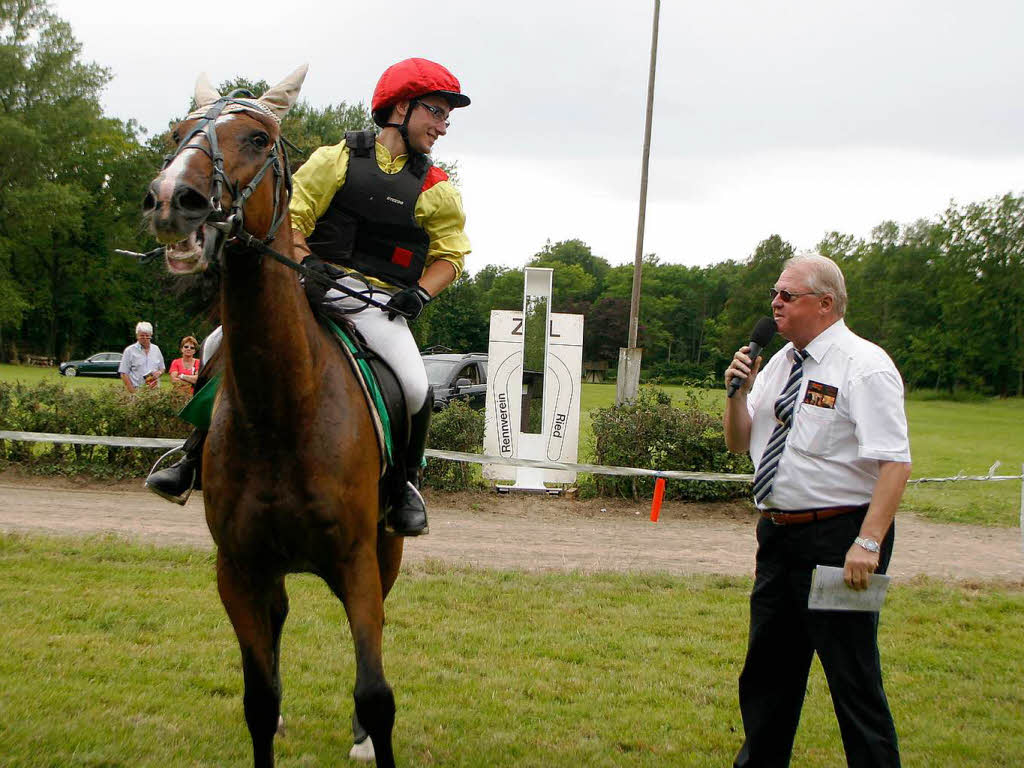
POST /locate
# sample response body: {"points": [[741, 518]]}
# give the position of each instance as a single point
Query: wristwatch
{"points": [[869, 544]]}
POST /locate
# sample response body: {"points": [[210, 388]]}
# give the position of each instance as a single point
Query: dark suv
{"points": [[455, 376]]}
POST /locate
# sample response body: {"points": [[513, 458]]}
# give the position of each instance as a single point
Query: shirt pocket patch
{"points": [[813, 430]]}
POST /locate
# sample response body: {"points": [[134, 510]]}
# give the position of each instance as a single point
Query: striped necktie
{"points": [[784, 419]]}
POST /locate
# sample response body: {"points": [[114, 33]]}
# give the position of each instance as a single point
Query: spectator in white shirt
{"points": [[142, 362]]}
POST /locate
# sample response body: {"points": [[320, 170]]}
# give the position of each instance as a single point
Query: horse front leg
{"points": [[257, 611], [357, 583], [389, 559]]}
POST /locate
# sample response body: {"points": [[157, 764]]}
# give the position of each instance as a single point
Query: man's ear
{"points": [[828, 303], [400, 110]]}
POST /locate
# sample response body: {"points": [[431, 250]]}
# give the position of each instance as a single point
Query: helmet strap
{"points": [[403, 127]]}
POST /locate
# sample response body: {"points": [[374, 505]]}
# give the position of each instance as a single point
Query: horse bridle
{"points": [[230, 224]]}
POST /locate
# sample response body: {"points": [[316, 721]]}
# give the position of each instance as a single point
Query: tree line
{"points": [[944, 296]]}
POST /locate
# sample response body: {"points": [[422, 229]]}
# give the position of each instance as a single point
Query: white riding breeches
{"points": [[390, 339]]}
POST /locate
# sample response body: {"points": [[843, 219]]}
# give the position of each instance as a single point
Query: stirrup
{"points": [[182, 497], [389, 515]]}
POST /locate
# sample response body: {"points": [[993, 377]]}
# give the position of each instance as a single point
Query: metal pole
{"points": [[634, 305]]}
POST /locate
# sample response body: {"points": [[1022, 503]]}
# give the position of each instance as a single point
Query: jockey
{"points": [[376, 204]]}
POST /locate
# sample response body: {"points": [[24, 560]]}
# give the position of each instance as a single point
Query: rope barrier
{"points": [[479, 458]]}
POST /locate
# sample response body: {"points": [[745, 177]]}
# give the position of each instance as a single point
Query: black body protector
{"points": [[370, 224]]}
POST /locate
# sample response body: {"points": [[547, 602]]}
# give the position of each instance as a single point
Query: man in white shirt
{"points": [[825, 426], [142, 362]]}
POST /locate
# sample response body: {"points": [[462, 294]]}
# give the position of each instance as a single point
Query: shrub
{"points": [[53, 407], [651, 433], [682, 373], [457, 428]]}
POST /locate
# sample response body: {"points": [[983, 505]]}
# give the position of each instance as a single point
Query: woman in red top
{"points": [[185, 369]]}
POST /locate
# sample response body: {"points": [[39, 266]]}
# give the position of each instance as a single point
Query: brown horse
{"points": [[289, 485]]}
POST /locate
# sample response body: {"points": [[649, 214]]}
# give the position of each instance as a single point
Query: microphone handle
{"points": [[737, 382]]}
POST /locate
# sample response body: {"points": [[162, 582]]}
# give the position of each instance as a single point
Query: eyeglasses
{"points": [[440, 116], [787, 296], [187, 346]]}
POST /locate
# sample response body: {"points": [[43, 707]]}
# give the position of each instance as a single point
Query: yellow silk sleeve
{"points": [[439, 212], [315, 184]]}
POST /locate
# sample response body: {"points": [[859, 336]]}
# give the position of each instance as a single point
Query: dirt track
{"points": [[528, 532]]}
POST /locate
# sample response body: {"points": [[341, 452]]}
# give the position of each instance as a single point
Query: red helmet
{"points": [[410, 79]]}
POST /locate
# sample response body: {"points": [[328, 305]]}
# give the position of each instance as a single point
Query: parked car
{"points": [[455, 376], [100, 364]]}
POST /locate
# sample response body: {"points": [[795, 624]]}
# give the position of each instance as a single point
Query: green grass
{"points": [[121, 655], [34, 374]]}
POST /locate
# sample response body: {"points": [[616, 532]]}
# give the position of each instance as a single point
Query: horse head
{"points": [[228, 178]]}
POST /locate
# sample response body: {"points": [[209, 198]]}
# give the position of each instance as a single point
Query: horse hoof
{"points": [[280, 726], [362, 751]]}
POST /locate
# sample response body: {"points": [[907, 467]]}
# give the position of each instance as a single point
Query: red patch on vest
{"points": [[401, 257], [433, 176]]}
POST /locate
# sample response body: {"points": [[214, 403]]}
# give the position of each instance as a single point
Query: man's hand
{"points": [[409, 302], [859, 566], [741, 367]]}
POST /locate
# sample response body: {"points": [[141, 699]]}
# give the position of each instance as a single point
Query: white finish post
{"points": [[507, 425]]}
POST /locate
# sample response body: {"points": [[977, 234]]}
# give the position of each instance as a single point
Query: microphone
{"points": [[759, 339]]}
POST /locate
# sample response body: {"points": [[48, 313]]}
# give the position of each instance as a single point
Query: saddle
{"points": [[384, 399]]}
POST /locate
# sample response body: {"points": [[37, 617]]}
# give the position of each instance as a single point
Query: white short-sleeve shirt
{"points": [[136, 362], [849, 416]]}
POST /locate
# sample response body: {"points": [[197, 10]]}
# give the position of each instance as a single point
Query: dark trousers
{"points": [[784, 636]]}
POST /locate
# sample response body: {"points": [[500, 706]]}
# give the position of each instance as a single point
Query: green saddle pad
{"points": [[199, 410]]}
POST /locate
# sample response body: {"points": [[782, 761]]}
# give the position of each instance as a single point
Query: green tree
{"points": [[63, 196], [579, 274], [981, 290], [748, 299]]}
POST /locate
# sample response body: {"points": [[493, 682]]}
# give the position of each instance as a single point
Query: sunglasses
{"points": [[440, 116], [187, 346], [787, 296]]}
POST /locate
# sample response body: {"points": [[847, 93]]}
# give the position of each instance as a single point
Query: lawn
{"points": [[121, 655], [34, 374]]}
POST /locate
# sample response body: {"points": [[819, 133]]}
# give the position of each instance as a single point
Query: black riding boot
{"points": [[407, 515], [177, 482]]}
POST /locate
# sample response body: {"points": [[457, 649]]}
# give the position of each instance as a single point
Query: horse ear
{"points": [[283, 96], [205, 93]]}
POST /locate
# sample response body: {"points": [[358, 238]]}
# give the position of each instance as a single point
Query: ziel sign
{"points": [[535, 362]]}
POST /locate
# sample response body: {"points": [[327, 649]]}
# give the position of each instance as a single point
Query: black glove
{"points": [[315, 290], [408, 302]]}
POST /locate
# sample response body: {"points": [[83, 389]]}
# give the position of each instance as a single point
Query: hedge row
{"points": [[650, 433], [53, 407]]}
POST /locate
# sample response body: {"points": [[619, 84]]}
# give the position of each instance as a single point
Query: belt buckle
{"points": [[771, 516]]}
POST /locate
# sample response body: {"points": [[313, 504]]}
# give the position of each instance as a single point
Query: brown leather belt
{"points": [[781, 517]]}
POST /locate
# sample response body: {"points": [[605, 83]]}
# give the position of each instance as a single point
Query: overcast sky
{"points": [[793, 118]]}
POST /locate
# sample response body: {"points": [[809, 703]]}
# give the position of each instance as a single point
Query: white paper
{"points": [[830, 593]]}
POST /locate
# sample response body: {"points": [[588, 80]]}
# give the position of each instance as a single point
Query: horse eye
{"points": [[260, 140], [176, 137]]}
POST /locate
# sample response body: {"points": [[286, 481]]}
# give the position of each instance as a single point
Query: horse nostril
{"points": [[149, 203], [190, 201]]}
